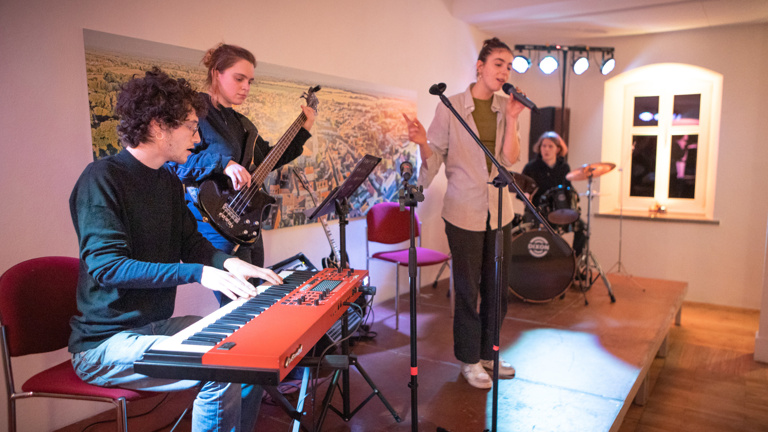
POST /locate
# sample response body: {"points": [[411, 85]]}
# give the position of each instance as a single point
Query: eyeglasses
{"points": [[194, 129]]}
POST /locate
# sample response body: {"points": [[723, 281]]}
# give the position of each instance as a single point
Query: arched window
{"points": [[661, 127]]}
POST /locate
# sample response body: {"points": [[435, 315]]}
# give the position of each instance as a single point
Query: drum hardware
{"points": [[620, 267], [587, 263], [560, 205], [525, 183]]}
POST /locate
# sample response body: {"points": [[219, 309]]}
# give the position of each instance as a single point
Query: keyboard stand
{"points": [[341, 364]]}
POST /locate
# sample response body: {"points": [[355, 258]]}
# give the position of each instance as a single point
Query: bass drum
{"points": [[543, 266]]}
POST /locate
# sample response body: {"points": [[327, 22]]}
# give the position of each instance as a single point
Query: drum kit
{"points": [[540, 273]]}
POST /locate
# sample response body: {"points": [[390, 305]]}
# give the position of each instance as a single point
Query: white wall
{"points": [[46, 136], [722, 263]]}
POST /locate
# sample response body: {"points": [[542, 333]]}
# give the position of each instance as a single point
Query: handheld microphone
{"points": [[406, 170], [510, 90], [437, 89]]}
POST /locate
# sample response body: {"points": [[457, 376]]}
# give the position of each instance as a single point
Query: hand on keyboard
{"points": [[229, 284], [246, 271]]}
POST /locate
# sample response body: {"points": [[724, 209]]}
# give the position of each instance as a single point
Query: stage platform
{"points": [[579, 367]]}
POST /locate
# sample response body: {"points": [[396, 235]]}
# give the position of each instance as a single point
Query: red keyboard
{"points": [[258, 340]]}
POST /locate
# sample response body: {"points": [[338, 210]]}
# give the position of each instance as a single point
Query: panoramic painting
{"points": [[354, 119]]}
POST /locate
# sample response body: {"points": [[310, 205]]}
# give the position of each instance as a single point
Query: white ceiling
{"points": [[567, 21]]}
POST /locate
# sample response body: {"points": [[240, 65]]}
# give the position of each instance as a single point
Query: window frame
{"points": [[665, 80]]}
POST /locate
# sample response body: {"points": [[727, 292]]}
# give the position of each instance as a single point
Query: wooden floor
{"points": [[575, 365]]}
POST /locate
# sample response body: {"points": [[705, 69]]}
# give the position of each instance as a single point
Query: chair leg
{"points": [[122, 415], [439, 273], [397, 296], [11, 414]]}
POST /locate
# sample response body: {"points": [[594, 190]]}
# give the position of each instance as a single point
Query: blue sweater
{"points": [[138, 241]]}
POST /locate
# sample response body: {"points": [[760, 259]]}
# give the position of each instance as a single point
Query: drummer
{"points": [[548, 170]]}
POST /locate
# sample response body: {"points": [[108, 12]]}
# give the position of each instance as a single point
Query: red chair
{"points": [[388, 225], [37, 299]]}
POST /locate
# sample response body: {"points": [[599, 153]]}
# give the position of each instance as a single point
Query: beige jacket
{"points": [[469, 196]]}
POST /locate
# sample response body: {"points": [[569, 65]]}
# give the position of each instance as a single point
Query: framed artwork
{"points": [[354, 119]]}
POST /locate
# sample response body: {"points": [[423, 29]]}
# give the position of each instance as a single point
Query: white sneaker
{"points": [[505, 369], [476, 375]]}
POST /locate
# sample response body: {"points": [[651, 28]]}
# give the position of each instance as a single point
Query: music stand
{"points": [[338, 200]]}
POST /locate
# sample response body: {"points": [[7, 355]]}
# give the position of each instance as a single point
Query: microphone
{"points": [[437, 89], [406, 170], [510, 90]]}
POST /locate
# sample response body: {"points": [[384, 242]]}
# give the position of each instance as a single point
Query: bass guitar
{"points": [[333, 260], [238, 215]]}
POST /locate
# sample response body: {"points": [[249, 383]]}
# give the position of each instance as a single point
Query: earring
{"points": [[159, 137]]}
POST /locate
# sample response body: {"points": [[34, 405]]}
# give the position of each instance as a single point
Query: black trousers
{"points": [[474, 273]]}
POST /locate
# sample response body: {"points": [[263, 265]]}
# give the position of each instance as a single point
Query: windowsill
{"points": [[661, 217]]}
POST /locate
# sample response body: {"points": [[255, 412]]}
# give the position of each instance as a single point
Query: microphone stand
{"points": [[504, 179], [410, 196]]}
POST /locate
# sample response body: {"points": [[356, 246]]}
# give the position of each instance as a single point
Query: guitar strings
{"points": [[244, 196]]}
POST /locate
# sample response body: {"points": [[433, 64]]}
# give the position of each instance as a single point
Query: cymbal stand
{"points": [[583, 266], [619, 265]]}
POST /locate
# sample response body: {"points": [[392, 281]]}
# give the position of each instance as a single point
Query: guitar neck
{"points": [[277, 151], [324, 223]]}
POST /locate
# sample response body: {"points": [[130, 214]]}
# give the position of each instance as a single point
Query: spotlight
{"points": [[521, 63], [548, 64], [581, 65], [607, 65]]}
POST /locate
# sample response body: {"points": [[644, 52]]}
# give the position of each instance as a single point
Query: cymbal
{"points": [[526, 184], [590, 170]]}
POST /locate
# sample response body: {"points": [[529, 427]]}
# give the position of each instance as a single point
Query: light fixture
{"points": [[521, 63], [579, 60], [608, 64], [581, 64], [548, 64]]}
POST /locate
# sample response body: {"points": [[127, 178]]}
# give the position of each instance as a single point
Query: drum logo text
{"points": [[538, 247]]}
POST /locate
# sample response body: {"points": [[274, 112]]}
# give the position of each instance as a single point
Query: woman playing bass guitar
{"points": [[230, 143]]}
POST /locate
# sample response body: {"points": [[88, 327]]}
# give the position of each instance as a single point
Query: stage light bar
{"points": [[550, 63]]}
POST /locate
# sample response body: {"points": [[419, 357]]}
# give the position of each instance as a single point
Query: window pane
{"points": [[686, 110], [682, 168], [643, 175], [646, 111]]}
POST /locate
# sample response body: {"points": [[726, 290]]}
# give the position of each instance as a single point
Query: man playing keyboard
{"points": [[138, 241]]}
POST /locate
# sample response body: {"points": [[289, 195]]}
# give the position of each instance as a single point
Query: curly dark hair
{"points": [[156, 96]]}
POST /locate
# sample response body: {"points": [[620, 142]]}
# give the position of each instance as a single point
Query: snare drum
{"points": [[543, 266], [560, 205]]}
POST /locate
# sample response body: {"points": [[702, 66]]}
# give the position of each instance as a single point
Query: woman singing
{"points": [[470, 206]]}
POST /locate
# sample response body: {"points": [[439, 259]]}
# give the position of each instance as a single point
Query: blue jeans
{"points": [[253, 254], [218, 407]]}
